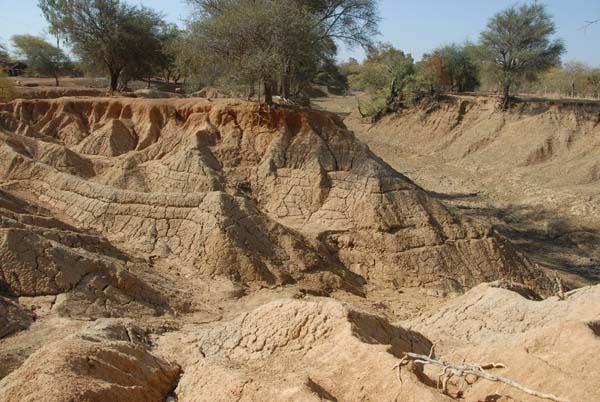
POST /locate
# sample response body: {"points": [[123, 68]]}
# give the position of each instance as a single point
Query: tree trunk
{"points": [[268, 86], [505, 102], [56, 79], [285, 89], [114, 79], [285, 81]]}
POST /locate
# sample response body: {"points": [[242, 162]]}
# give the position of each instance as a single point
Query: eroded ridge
{"points": [[273, 195]]}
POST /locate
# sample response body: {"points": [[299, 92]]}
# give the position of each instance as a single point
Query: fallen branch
{"points": [[560, 290], [450, 370]]}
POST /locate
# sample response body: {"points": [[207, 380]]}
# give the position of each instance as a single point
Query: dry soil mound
{"points": [[106, 362], [42, 256], [227, 188], [297, 351], [324, 350], [547, 345], [13, 317]]}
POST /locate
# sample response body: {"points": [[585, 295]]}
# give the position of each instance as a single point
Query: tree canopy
{"points": [[121, 37], [518, 45], [460, 62], [41, 57], [280, 44]]}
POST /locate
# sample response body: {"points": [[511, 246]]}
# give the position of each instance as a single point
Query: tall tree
{"points": [[171, 38], [276, 41], [117, 35], [41, 57], [518, 45], [50, 9], [249, 41], [436, 72]]}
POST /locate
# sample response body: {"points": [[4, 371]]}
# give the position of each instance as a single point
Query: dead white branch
{"points": [[560, 290], [449, 370]]}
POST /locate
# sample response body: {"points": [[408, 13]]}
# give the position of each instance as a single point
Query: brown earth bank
{"points": [[178, 249], [531, 172]]}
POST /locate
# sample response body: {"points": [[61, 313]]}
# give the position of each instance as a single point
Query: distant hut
{"points": [[12, 68]]}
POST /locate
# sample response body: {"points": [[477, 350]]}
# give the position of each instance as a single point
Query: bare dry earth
{"points": [[184, 249], [532, 173]]}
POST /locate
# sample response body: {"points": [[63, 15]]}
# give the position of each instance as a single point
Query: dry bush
{"points": [[7, 89]]}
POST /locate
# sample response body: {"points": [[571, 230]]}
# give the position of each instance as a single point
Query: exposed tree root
{"points": [[449, 370]]}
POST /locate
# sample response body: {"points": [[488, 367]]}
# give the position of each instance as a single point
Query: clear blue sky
{"points": [[415, 26]]}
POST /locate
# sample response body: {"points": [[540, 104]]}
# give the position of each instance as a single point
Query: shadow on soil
{"points": [[548, 239]]}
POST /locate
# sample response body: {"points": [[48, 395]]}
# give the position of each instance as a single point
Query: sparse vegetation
{"points": [[392, 78], [573, 79], [516, 49], [41, 57]]}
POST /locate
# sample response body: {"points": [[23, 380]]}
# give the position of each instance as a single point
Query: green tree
{"points": [[518, 46], [387, 74], [461, 66], [41, 57], [351, 69], [255, 41], [117, 35], [281, 44], [51, 10], [351, 21], [330, 75], [171, 38], [385, 69]]}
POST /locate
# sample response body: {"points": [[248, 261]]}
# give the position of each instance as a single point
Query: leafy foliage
{"points": [[279, 44], [121, 37], [518, 45], [461, 66], [391, 78], [41, 57]]}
